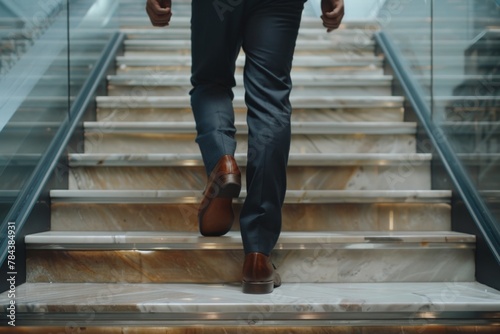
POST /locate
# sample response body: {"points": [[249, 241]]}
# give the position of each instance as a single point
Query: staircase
{"points": [[366, 247]]}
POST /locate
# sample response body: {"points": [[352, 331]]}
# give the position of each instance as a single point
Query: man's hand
{"points": [[159, 11], [333, 12]]}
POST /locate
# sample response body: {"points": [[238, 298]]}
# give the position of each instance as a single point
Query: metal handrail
{"points": [[478, 209]]}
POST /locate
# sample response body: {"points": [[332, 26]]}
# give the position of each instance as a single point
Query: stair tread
{"points": [[292, 196], [318, 300], [299, 60], [295, 159], [232, 240], [127, 102], [168, 43], [297, 127], [306, 21], [298, 79]]}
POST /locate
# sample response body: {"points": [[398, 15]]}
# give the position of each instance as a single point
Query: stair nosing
{"points": [[292, 196], [371, 102], [185, 127], [295, 159], [326, 304], [299, 61], [298, 80], [157, 240]]}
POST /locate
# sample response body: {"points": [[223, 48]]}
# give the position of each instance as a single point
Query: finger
{"points": [[331, 23], [334, 14], [158, 20], [159, 9]]}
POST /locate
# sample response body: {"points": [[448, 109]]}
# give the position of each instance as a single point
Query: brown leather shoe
{"points": [[259, 276], [215, 215]]}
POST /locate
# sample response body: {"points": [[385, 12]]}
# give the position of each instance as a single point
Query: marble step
{"points": [[134, 21], [303, 84], [303, 210], [294, 308], [322, 128], [306, 34], [128, 103], [309, 63], [382, 214], [321, 109], [301, 257], [305, 172], [307, 137], [292, 196], [309, 42]]}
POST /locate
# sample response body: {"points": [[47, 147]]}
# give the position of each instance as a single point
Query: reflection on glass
{"points": [[466, 87], [47, 50], [453, 49], [33, 88]]}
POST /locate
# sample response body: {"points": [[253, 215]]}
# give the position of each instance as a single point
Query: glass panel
{"points": [[91, 25], [33, 88], [408, 25], [47, 50], [466, 88]]}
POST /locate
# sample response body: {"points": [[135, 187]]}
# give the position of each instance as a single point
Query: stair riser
{"points": [[369, 69], [402, 177], [158, 143], [342, 38], [347, 51], [246, 326], [224, 266], [389, 114], [296, 217], [310, 90]]}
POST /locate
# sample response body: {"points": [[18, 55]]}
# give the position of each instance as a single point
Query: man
{"points": [[267, 31]]}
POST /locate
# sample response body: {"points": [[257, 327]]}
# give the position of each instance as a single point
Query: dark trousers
{"points": [[267, 32]]}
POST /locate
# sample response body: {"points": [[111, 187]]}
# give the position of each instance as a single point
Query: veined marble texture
{"points": [[333, 299], [184, 143], [296, 217], [299, 178], [310, 90], [185, 70], [247, 327], [319, 265], [387, 114], [307, 62]]}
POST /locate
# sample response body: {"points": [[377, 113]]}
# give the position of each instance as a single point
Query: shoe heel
{"points": [[257, 288], [230, 185]]}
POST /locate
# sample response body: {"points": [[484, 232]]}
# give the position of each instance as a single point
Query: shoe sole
{"points": [[258, 288], [229, 188]]}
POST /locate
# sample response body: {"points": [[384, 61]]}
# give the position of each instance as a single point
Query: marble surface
{"points": [[299, 61], [298, 79], [249, 326], [292, 196], [298, 90], [232, 240], [76, 160], [307, 127], [136, 143], [304, 217], [299, 178], [319, 264], [332, 300], [132, 102], [339, 114]]}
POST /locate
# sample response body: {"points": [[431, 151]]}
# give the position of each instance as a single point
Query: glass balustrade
{"points": [[47, 49], [453, 50]]}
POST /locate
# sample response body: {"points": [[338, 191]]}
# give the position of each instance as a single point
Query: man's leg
{"points": [[216, 41], [269, 39]]}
